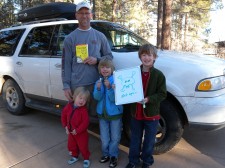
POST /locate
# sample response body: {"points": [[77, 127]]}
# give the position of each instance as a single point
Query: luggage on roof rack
{"points": [[48, 11]]}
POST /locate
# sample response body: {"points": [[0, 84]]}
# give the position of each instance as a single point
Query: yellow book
{"points": [[81, 52]]}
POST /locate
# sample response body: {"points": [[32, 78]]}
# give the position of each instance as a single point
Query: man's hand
{"points": [[68, 94], [91, 61]]}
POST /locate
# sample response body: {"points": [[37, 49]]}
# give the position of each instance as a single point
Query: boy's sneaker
{"points": [[86, 164], [145, 165], [72, 160], [104, 159], [130, 165], [113, 162]]}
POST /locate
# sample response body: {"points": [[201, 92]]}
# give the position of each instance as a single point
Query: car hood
{"points": [[206, 66], [192, 58], [183, 71]]}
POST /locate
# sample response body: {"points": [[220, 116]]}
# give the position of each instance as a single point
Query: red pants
{"points": [[79, 144]]}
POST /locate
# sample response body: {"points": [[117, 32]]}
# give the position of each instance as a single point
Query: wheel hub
{"points": [[12, 97]]}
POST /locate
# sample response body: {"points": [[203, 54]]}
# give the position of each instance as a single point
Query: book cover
{"points": [[81, 52]]}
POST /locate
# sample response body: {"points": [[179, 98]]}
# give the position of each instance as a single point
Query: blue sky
{"points": [[217, 25]]}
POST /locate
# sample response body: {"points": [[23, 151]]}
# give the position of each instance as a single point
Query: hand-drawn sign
{"points": [[128, 85]]}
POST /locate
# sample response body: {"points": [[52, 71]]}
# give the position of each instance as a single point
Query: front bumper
{"points": [[205, 113], [206, 127]]}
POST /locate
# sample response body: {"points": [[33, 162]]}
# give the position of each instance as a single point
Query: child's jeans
{"points": [[146, 151], [110, 133]]}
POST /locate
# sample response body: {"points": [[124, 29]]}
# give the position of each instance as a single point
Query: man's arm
{"points": [[67, 58]]}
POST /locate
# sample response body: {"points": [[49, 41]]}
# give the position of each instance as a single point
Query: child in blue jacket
{"points": [[109, 114]]}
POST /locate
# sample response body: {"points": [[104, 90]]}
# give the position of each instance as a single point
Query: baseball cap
{"points": [[82, 5]]}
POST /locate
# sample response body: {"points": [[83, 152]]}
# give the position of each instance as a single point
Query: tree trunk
{"points": [[114, 4], [185, 32], [93, 9], [159, 23], [166, 27]]}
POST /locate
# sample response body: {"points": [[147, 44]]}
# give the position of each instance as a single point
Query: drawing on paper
{"points": [[127, 85], [127, 82]]}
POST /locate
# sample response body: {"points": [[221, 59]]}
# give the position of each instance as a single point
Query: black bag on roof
{"points": [[48, 11]]}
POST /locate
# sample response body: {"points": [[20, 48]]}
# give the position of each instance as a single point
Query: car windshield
{"points": [[120, 39]]}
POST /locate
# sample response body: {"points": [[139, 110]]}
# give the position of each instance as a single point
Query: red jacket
{"points": [[77, 118]]}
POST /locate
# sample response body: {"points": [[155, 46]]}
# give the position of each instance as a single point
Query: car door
{"points": [[32, 65], [61, 32]]}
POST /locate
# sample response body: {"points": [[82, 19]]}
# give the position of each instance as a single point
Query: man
{"points": [[85, 73]]}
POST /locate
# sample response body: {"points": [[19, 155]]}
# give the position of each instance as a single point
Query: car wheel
{"points": [[13, 98], [170, 128]]}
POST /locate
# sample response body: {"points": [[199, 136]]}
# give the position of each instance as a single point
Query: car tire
{"points": [[13, 98], [170, 128]]}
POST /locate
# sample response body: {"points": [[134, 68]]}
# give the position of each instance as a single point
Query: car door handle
{"points": [[58, 65], [19, 63]]}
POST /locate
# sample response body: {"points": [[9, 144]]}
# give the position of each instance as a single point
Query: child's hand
{"points": [[145, 100], [99, 83], [67, 131], [74, 132], [107, 84], [113, 86]]}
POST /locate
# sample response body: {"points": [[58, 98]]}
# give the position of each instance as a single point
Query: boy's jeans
{"points": [[110, 133], [146, 151]]}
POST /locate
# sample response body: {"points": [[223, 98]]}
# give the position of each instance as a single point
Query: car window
{"points": [[59, 36], [9, 40], [38, 42], [120, 39]]}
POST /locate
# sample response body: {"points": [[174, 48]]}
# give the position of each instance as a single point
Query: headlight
{"points": [[211, 84]]}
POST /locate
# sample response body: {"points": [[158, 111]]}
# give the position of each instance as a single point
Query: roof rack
{"points": [[39, 21], [47, 11]]}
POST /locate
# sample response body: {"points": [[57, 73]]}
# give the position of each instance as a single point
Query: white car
{"points": [[30, 76]]}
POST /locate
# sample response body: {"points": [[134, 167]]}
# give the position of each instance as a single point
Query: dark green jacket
{"points": [[155, 91]]}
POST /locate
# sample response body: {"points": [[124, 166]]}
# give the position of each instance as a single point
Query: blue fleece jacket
{"points": [[106, 100]]}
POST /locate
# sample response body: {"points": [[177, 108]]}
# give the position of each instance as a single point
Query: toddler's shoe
{"points": [[86, 164], [72, 160], [104, 159]]}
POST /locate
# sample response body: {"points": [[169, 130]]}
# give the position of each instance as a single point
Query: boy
{"points": [[109, 114], [145, 114]]}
